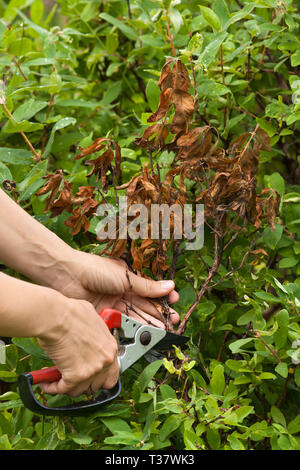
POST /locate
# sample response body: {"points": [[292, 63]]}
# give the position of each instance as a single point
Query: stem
{"points": [[204, 287], [170, 37], [257, 335], [223, 81], [36, 155]]}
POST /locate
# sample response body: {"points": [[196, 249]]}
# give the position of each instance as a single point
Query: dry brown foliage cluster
{"points": [[224, 179]]}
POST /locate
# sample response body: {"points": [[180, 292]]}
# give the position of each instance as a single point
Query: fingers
{"points": [[173, 297], [147, 309], [148, 287], [105, 380]]}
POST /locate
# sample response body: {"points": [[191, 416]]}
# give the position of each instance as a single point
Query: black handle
{"points": [[25, 382]]}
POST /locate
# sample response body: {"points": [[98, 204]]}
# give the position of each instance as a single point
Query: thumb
{"points": [[149, 288]]}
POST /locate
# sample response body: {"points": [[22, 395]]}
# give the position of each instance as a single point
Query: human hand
{"points": [[70, 331], [85, 352], [108, 281]]}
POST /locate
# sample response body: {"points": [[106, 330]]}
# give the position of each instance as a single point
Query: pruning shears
{"points": [[135, 341]]}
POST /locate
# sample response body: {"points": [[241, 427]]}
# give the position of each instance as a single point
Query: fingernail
{"points": [[167, 285]]}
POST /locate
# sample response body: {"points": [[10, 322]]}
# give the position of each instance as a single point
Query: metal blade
{"points": [[169, 340]]}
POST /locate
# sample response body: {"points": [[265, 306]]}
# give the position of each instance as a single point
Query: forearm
{"points": [[27, 246], [28, 310]]}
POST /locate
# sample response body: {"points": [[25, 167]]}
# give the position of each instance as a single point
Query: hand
{"points": [[69, 330], [85, 352], [107, 281]]}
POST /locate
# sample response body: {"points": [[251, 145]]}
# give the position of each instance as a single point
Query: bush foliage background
{"points": [[73, 71]]}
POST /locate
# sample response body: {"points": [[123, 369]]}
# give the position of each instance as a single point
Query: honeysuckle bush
{"points": [[86, 78]]}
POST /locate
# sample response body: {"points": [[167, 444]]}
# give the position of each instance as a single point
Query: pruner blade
{"points": [[144, 339]]}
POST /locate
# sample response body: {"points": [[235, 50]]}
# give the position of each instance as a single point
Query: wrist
{"points": [[49, 263], [52, 324]]}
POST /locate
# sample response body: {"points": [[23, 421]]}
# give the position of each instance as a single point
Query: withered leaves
{"points": [[174, 83], [51, 186], [82, 205]]}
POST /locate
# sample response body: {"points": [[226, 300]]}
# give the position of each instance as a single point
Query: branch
{"points": [[170, 37], [205, 286], [234, 270], [36, 155]]}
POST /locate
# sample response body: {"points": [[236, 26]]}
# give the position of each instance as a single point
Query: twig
{"points": [[234, 270], [223, 81], [174, 260], [36, 155], [150, 157], [203, 261], [257, 335], [19, 68], [200, 358], [205, 285], [222, 345], [170, 37]]}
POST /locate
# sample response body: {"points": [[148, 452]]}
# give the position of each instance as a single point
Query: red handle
{"points": [[112, 318]]}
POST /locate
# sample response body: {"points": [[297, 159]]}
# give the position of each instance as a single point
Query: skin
{"points": [[61, 307]]}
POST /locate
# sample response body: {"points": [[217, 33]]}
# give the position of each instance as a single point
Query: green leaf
{"points": [[294, 425], [4, 443], [29, 109], [8, 376], [33, 181], [191, 440], [122, 437], [295, 59], [278, 416], [9, 396], [129, 32], [211, 17], [176, 19], [240, 15], [20, 47], [237, 346], [217, 382], [297, 376], [235, 443], [266, 126], [266, 297], [112, 93], [169, 426], [213, 438], [62, 123], [282, 369], [280, 336], [11, 404], [288, 262], [272, 237], [210, 51], [81, 438], [267, 376], [23, 126], [37, 11], [167, 391], [49, 441], [276, 182], [153, 94], [5, 173], [30, 346], [243, 411], [15, 156], [220, 7], [145, 377]]}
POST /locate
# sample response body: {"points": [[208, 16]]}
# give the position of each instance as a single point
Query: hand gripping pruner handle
{"points": [[144, 338]]}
